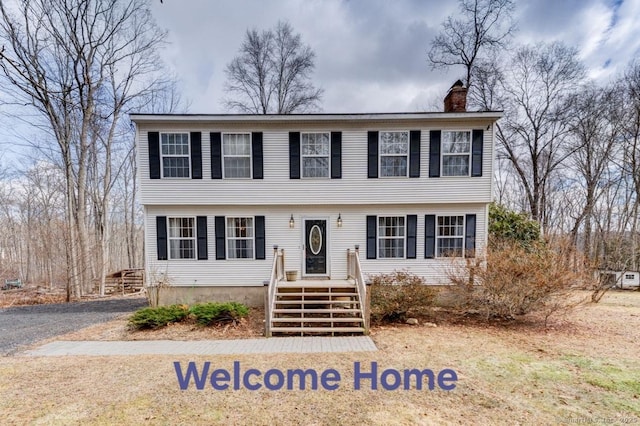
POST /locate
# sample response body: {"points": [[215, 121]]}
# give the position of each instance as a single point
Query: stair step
{"points": [[317, 329], [316, 302], [316, 311], [321, 284], [297, 319], [318, 294]]}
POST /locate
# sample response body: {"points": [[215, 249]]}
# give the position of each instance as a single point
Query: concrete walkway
{"points": [[310, 344]]}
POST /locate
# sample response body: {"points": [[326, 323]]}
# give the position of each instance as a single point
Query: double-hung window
{"points": [[175, 155], [450, 236], [456, 153], [315, 149], [182, 238], [236, 152], [394, 152], [240, 237], [391, 236]]}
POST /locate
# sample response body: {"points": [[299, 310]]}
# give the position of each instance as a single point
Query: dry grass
{"points": [[30, 296], [585, 367]]}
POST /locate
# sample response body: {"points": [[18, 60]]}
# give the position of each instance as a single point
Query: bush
{"points": [[509, 226], [158, 317], [516, 280], [212, 313], [398, 295]]}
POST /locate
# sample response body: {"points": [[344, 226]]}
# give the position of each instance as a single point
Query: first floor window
{"points": [[450, 236], [456, 153], [236, 150], [394, 151], [315, 155], [175, 154], [391, 236], [182, 240], [240, 237], [629, 277]]}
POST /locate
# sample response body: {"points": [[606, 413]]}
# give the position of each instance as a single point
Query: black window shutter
{"points": [[256, 153], [161, 237], [294, 155], [154, 155], [196, 155], [372, 155], [476, 152], [371, 236], [434, 153], [216, 155], [336, 155], [260, 241], [470, 236], [220, 240], [429, 236], [202, 237], [412, 233], [414, 153]]}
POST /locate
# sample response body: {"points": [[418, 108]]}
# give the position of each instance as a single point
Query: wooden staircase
{"points": [[311, 306], [317, 307]]}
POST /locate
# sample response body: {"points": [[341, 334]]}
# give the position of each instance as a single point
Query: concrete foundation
{"points": [[250, 296]]}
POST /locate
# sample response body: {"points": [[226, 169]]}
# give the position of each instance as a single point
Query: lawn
{"points": [[584, 369]]}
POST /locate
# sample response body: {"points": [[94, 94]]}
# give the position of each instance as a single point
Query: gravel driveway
{"points": [[24, 325]]}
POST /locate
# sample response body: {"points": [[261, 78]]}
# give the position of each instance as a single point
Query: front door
{"points": [[315, 241]]}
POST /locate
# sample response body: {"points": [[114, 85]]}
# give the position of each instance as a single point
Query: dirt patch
{"points": [[31, 296], [249, 327]]}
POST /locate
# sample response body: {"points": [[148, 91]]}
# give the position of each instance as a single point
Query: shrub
{"points": [[397, 295], [212, 313], [158, 317], [509, 226], [516, 280]]}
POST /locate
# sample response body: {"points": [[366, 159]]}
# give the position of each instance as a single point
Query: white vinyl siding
{"points": [[240, 238], [391, 237], [182, 238], [456, 153], [236, 155], [315, 150], [253, 272], [394, 153], [450, 236], [174, 152], [278, 189]]}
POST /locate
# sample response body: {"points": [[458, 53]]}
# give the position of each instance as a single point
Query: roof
{"points": [[275, 118]]}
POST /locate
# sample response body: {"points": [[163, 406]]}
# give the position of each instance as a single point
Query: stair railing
{"points": [[354, 272], [277, 274]]}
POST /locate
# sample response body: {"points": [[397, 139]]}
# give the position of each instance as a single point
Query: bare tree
{"points": [[483, 26], [272, 74], [596, 128], [536, 94], [79, 64]]}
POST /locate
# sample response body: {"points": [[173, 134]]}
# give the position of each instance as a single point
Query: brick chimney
{"points": [[456, 99]]}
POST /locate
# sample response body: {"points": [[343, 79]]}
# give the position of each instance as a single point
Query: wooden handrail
{"points": [[277, 274], [354, 271]]}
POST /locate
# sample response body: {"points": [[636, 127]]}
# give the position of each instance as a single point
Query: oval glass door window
{"points": [[315, 239]]}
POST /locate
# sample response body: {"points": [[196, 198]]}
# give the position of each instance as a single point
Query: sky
{"points": [[371, 55]]}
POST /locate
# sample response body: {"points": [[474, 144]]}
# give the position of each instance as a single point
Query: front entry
{"points": [[315, 242]]}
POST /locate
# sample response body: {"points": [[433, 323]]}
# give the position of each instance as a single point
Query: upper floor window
{"points": [[456, 153], [394, 152], [391, 236], [175, 154], [240, 237], [315, 149], [236, 152], [182, 238], [450, 236]]}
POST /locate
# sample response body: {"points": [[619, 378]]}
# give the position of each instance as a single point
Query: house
{"points": [[620, 278], [404, 190]]}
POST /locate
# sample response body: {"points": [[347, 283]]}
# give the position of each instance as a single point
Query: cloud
{"points": [[371, 55]]}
